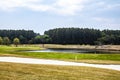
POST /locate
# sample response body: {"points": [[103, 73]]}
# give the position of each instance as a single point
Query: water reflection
{"points": [[74, 51]]}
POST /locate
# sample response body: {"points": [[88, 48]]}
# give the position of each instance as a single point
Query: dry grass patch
{"points": [[99, 62], [13, 71]]}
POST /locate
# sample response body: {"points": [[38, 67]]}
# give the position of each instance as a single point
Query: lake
{"points": [[76, 51]]}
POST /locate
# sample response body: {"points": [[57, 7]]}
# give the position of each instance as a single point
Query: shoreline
{"points": [[89, 49]]}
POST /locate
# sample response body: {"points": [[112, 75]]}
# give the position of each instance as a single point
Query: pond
{"points": [[76, 51]]}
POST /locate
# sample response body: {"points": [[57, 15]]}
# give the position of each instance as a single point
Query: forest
{"points": [[83, 36], [62, 36]]}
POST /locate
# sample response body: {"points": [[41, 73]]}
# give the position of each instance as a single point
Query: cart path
{"points": [[55, 62]]}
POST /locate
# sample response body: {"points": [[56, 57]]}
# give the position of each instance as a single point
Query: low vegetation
{"points": [[89, 58], [12, 71]]}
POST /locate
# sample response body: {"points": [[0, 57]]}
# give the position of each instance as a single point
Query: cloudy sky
{"points": [[41, 15]]}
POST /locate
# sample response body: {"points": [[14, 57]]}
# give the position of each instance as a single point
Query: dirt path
{"points": [[55, 62]]}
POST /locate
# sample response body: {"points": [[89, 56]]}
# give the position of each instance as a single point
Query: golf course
{"points": [[59, 39], [19, 71]]}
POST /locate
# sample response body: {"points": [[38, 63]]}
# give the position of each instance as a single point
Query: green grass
{"points": [[13, 71], [89, 58]]}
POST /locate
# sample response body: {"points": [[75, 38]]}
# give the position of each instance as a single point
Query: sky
{"points": [[42, 15]]}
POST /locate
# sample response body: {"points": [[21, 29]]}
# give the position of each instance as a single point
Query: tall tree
{"points": [[1, 41], [16, 41], [41, 39], [6, 41]]}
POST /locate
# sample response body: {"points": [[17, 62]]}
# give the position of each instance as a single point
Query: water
{"points": [[73, 51], [59, 50]]}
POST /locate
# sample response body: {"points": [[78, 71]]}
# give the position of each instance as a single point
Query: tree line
{"points": [[83, 36], [8, 37], [23, 35], [61, 36], [6, 41]]}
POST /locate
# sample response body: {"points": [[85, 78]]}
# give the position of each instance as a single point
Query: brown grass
{"points": [[104, 47], [13, 71], [99, 61]]}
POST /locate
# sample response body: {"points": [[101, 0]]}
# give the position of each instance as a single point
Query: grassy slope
{"points": [[89, 58], [12, 71]]}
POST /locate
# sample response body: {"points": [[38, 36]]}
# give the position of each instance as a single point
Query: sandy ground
{"points": [[97, 47], [55, 62]]}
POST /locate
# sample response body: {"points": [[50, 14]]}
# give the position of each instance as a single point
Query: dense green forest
{"points": [[23, 35], [61, 36], [83, 36]]}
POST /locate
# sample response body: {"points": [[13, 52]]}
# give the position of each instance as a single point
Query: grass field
{"points": [[88, 58], [13, 71]]}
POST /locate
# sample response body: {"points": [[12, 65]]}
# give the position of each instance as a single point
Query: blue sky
{"points": [[41, 15]]}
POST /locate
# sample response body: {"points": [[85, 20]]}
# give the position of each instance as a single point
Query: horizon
{"points": [[42, 15]]}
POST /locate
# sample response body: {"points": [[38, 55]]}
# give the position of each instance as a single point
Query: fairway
{"points": [[87, 58], [15, 71]]}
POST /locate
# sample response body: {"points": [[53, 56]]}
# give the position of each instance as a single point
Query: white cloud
{"points": [[105, 6], [112, 6], [8, 5], [64, 7], [69, 7], [38, 7], [105, 20]]}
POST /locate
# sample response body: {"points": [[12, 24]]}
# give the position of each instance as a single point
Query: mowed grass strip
{"points": [[13, 71], [89, 58]]}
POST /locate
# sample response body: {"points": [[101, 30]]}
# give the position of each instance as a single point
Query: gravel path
{"points": [[55, 62]]}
